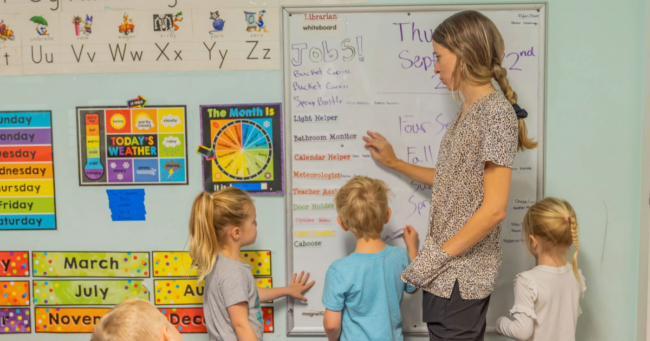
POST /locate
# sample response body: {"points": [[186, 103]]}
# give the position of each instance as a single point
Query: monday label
{"points": [[90, 264], [89, 292]]}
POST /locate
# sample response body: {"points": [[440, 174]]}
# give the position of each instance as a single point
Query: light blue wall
{"points": [[594, 119]]}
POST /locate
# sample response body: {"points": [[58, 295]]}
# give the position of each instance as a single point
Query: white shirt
{"points": [[546, 305]]}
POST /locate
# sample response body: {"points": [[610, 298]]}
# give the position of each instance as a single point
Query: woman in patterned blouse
{"points": [[459, 262]]}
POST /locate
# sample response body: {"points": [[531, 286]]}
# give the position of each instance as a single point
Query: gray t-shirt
{"points": [[229, 283]]}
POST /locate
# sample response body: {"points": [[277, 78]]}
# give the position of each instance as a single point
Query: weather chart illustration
{"points": [[242, 147], [122, 146]]}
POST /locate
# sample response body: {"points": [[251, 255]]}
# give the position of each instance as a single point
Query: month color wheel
{"points": [[243, 149]]}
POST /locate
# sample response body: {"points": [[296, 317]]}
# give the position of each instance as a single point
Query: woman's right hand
{"points": [[380, 149]]}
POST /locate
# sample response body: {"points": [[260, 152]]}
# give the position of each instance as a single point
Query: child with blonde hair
{"points": [[547, 297], [363, 291], [220, 225], [135, 320]]}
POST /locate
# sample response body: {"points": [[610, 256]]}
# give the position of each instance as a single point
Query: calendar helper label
{"points": [[88, 292], [27, 186], [67, 320], [90, 264]]}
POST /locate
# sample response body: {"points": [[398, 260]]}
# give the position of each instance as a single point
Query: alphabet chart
{"points": [[132, 146]]}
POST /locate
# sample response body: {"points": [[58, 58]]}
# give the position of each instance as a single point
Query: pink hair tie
{"points": [[566, 218]]}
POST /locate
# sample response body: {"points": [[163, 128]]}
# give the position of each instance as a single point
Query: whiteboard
{"points": [[352, 69]]}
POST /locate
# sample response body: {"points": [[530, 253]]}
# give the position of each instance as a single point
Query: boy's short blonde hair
{"points": [[362, 206], [131, 320]]}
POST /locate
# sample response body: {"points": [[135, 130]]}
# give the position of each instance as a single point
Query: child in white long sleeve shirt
{"points": [[547, 296]]}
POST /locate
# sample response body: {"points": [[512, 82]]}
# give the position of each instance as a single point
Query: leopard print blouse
{"points": [[486, 132]]}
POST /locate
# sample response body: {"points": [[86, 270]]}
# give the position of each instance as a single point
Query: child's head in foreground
{"points": [[135, 320], [362, 207]]}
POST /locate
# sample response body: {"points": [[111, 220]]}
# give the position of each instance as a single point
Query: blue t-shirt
{"points": [[367, 288]]}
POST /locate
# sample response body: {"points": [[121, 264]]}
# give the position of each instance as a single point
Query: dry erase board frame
{"points": [[288, 11]]}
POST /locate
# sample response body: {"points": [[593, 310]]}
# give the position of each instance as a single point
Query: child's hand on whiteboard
{"points": [[411, 239], [380, 149], [299, 285]]}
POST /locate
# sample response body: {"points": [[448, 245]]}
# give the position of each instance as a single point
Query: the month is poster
{"points": [[67, 320], [14, 294], [132, 146], [14, 264], [186, 320], [15, 321], [90, 264], [178, 291], [27, 186], [90, 292], [242, 147]]}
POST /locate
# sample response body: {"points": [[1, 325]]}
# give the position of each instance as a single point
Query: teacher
{"points": [[459, 262]]}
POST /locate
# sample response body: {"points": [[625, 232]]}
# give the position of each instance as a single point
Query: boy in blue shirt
{"points": [[363, 291]]}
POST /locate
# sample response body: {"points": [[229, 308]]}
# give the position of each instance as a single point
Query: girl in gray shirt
{"points": [[220, 225]]}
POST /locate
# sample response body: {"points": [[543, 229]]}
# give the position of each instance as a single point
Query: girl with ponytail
{"points": [[547, 297], [459, 261], [220, 225]]}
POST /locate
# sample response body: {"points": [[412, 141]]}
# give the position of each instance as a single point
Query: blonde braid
{"points": [[574, 234]]}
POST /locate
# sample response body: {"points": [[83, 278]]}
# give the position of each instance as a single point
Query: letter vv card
{"points": [[132, 146], [27, 186]]}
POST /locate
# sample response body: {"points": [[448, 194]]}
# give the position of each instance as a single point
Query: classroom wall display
{"points": [[357, 69], [27, 199], [132, 146], [14, 264], [14, 294], [87, 292], [90, 264], [194, 37], [67, 320], [242, 147], [15, 321]]}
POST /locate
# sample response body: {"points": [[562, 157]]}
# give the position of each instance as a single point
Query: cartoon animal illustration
{"points": [[217, 22], [127, 25], [88, 25], [41, 25], [5, 32], [177, 18], [260, 23]]}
